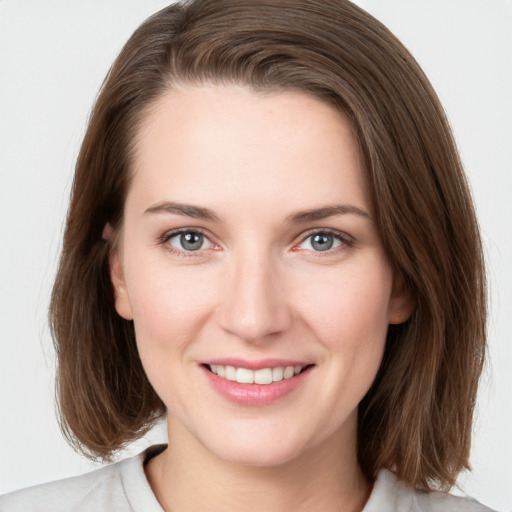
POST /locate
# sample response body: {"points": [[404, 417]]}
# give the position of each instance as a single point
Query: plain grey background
{"points": [[53, 57]]}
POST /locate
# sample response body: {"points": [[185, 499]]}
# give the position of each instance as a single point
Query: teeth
{"points": [[289, 372], [230, 373], [262, 376], [244, 376], [277, 373]]}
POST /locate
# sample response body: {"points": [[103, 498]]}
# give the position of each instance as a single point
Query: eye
{"points": [[322, 241], [188, 241]]}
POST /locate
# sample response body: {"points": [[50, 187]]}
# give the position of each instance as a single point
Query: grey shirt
{"points": [[123, 487]]}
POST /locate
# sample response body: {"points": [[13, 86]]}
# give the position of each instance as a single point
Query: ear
{"points": [[122, 300], [402, 302]]}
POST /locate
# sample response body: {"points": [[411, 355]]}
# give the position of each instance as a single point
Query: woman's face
{"points": [[249, 249]]}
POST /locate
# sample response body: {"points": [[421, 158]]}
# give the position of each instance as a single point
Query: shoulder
{"points": [[391, 495], [68, 494], [119, 487]]}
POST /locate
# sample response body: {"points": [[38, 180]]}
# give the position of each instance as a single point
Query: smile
{"points": [[262, 376], [265, 383]]}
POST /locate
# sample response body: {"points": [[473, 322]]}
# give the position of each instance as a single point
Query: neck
{"points": [[188, 477]]}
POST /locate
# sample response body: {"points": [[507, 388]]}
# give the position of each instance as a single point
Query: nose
{"points": [[254, 305]]}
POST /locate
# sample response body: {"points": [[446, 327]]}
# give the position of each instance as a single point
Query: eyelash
{"points": [[346, 241], [183, 254]]}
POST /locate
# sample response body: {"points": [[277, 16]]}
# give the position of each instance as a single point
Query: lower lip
{"points": [[255, 394]]}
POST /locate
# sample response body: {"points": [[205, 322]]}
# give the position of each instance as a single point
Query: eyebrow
{"points": [[303, 216], [325, 212], [196, 212]]}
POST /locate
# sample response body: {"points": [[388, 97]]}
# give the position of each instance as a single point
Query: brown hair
{"points": [[417, 417]]}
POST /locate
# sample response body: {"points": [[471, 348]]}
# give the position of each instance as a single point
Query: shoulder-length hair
{"points": [[416, 419]]}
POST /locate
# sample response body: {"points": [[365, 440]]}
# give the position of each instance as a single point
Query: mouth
{"points": [[261, 376], [252, 383]]}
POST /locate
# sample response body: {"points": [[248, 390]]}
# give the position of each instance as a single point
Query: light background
{"points": [[53, 57]]}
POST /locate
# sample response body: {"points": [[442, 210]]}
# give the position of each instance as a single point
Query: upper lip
{"points": [[256, 364]]}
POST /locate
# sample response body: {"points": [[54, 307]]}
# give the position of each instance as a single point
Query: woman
{"points": [[271, 241]]}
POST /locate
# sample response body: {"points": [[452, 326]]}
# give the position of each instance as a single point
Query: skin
{"points": [[257, 288]]}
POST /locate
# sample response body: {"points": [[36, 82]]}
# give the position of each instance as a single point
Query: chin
{"points": [[258, 455], [257, 445]]}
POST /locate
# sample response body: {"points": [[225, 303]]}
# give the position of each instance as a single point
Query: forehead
{"points": [[224, 144]]}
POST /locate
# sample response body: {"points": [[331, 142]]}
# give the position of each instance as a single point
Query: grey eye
{"points": [[319, 242], [322, 242], [191, 241]]}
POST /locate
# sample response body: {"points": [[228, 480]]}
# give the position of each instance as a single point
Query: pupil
{"points": [[191, 241], [322, 242]]}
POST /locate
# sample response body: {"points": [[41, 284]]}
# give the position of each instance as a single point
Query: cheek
{"points": [[350, 320], [169, 309], [352, 308], [354, 330], [169, 312]]}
